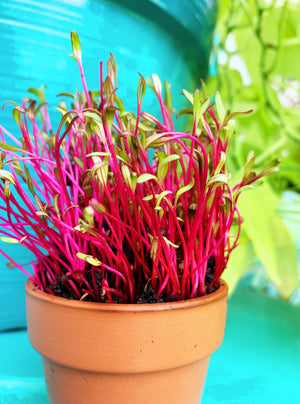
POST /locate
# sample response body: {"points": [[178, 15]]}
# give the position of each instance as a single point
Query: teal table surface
{"points": [[258, 362]]}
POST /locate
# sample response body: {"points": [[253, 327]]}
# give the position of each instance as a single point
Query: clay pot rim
{"points": [[220, 293]]}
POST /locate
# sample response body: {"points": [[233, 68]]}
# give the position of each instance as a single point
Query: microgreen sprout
{"points": [[106, 221]]}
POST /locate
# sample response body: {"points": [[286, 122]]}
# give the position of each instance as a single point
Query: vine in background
{"points": [[266, 73], [256, 55], [243, 21]]}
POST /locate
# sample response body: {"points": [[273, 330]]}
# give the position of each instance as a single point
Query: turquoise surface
{"points": [[258, 362]]}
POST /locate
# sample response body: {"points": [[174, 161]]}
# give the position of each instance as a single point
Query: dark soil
{"points": [[209, 278], [147, 295], [62, 289]]}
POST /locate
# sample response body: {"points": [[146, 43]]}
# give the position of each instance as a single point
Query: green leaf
{"points": [[270, 170], [232, 115], [184, 189], [148, 198], [109, 116], [239, 263], [197, 105], [34, 91], [39, 93], [143, 127], [270, 238], [120, 104], [154, 248], [89, 214], [100, 170], [89, 258], [10, 240], [142, 139], [128, 176], [79, 162], [31, 111], [184, 111], [188, 95], [150, 118], [28, 181], [39, 107], [66, 95], [56, 206], [146, 177], [8, 147], [204, 106], [10, 102], [290, 51], [170, 243], [5, 175], [162, 169], [17, 116], [76, 46], [168, 95], [141, 89], [132, 118], [221, 163], [226, 206], [158, 139], [156, 83], [161, 196], [93, 115], [63, 112], [99, 207], [69, 208], [220, 107], [112, 68], [7, 189], [123, 157], [217, 179], [97, 154]]}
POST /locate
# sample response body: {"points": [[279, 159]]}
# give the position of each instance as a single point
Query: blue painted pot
{"points": [[171, 38]]}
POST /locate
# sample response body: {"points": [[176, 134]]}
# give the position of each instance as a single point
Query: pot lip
{"points": [[219, 294]]}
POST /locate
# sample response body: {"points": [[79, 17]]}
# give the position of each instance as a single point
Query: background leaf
{"points": [[239, 263], [271, 240]]}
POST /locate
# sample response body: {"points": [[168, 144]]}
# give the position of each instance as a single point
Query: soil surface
{"points": [[62, 288]]}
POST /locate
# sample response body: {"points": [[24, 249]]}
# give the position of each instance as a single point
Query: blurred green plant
{"points": [[257, 59]]}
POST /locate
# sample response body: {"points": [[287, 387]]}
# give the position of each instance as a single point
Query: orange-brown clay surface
{"points": [[125, 353]]}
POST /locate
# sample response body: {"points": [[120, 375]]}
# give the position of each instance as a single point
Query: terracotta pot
{"points": [[125, 354]]}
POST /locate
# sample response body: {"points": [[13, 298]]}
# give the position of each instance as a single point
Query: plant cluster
{"points": [[121, 207]]}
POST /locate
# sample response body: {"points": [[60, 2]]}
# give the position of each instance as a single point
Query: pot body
{"points": [[125, 354]]}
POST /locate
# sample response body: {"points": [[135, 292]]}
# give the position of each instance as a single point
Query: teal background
{"points": [[258, 362]]}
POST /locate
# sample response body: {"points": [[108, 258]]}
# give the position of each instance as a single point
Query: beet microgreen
{"points": [[115, 205]]}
